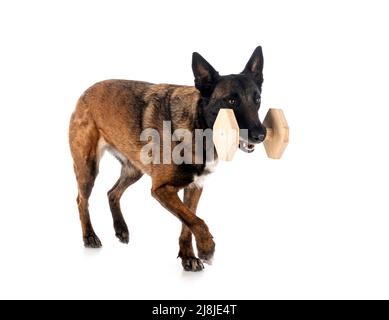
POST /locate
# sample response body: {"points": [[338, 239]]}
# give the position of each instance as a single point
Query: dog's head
{"points": [[240, 92]]}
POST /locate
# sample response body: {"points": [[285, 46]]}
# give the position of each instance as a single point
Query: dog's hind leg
{"points": [[189, 261], [83, 138], [129, 175]]}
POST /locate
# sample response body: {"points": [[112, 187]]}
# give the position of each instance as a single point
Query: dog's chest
{"points": [[199, 179]]}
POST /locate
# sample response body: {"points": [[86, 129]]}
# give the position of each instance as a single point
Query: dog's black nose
{"points": [[261, 137], [258, 139], [258, 136]]}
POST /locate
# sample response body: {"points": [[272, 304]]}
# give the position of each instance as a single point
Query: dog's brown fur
{"points": [[112, 114]]}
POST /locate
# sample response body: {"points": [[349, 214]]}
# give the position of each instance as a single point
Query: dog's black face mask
{"points": [[240, 92]]}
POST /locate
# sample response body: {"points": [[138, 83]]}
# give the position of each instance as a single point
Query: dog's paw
{"points": [[206, 251], [92, 241], [123, 236], [204, 242], [192, 264], [206, 257], [121, 232]]}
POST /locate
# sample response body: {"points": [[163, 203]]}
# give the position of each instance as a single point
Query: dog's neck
{"points": [[200, 122]]}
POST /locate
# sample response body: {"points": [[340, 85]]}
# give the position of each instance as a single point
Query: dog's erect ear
{"points": [[255, 66], [205, 75]]}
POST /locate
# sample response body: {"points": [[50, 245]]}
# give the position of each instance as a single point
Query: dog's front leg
{"points": [[168, 197]]}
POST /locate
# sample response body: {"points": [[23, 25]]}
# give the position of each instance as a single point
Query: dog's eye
{"points": [[232, 101], [257, 100]]}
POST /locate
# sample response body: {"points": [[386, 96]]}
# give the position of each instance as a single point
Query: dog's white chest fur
{"points": [[210, 166]]}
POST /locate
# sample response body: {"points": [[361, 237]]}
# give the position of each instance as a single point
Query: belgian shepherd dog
{"points": [[112, 115]]}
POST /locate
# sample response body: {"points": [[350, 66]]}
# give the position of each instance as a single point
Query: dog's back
{"points": [[115, 112]]}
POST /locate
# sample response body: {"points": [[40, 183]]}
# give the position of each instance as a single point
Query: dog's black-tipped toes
{"points": [[123, 236], [92, 241], [192, 264], [206, 258], [121, 231]]}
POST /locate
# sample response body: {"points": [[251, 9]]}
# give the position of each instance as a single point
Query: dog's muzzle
{"points": [[246, 146]]}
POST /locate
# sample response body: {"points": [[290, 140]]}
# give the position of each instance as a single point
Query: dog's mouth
{"points": [[246, 146]]}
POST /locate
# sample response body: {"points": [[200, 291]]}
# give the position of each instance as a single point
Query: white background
{"points": [[312, 225]]}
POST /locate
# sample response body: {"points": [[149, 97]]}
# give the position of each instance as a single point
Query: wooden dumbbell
{"points": [[226, 134]]}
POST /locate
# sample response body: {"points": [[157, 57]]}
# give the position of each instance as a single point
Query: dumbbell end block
{"points": [[277, 136], [226, 134]]}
